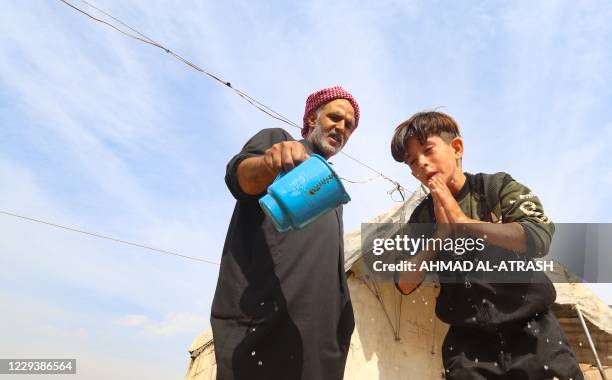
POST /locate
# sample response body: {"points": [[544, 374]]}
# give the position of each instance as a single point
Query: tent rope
{"points": [[378, 296]]}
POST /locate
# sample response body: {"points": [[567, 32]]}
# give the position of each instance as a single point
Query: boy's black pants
{"points": [[535, 349]]}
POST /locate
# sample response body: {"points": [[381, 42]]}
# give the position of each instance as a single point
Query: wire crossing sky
{"points": [[254, 102], [100, 236]]}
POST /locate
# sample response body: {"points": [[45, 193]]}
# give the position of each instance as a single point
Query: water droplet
{"points": [[261, 303], [473, 318], [495, 364], [580, 344], [413, 301], [260, 363], [252, 353], [545, 367], [547, 340], [450, 348], [485, 236], [484, 301], [560, 342], [476, 360], [253, 329], [528, 325]]}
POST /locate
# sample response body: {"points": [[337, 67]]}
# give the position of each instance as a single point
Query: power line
{"points": [[163, 251], [145, 39], [254, 102]]}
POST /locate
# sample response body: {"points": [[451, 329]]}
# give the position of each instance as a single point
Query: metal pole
{"points": [[586, 330]]}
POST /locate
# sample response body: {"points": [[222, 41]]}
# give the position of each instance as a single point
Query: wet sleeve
{"points": [[256, 146], [520, 205]]}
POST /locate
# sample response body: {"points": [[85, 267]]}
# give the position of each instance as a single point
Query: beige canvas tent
{"points": [[399, 337]]}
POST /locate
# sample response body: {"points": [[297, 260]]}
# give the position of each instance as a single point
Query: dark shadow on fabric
{"points": [[272, 345]]}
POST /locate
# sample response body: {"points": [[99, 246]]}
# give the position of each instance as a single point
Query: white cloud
{"points": [[173, 324]]}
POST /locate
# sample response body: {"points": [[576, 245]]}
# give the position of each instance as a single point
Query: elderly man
{"points": [[282, 308]]}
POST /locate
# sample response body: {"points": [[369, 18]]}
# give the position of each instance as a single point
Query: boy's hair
{"points": [[423, 125]]}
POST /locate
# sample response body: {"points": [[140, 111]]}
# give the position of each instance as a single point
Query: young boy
{"points": [[498, 329]]}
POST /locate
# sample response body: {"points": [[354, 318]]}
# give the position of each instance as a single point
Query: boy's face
{"points": [[434, 158]]}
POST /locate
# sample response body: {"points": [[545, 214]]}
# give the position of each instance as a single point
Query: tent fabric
{"points": [[400, 337], [203, 365]]}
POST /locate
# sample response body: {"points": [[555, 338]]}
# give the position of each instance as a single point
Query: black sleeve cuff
{"points": [[533, 248]]}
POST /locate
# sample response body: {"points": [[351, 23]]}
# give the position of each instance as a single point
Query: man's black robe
{"points": [[281, 309]]}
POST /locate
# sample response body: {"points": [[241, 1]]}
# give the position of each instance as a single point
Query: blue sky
{"points": [[110, 135]]}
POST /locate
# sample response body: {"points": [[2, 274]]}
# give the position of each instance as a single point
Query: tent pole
{"points": [[586, 330]]}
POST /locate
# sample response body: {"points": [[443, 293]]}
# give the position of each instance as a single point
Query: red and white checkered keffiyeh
{"points": [[315, 99]]}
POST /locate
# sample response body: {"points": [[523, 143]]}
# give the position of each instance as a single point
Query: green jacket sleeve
{"points": [[520, 205]]}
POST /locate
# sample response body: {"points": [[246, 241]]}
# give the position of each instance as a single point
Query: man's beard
{"points": [[319, 138]]}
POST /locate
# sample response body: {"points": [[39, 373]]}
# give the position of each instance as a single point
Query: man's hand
{"points": [[255, 174], [284, 156]]}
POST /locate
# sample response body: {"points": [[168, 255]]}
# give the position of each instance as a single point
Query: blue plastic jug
{"points": [[301, 195]]}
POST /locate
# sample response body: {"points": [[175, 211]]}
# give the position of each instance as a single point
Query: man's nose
{"points": [[340, 126]]}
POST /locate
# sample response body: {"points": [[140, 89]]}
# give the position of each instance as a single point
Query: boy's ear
{"points": [[457, 145]]}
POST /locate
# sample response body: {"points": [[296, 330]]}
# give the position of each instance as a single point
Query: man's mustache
{"points": [[336, 137]]}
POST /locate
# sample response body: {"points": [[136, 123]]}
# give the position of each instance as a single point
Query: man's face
{"points": [[434, 158], [333, 126]]}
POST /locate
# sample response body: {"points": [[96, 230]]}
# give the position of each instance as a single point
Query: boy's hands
{"points": [[448, 215], [446, 208], [509, 236]]}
